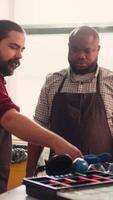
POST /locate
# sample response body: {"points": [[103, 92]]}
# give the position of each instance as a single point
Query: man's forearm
{"points": [[24, 128], [28, 130]]}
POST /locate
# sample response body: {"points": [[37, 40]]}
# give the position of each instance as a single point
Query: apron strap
{"points": [[62, 82], [98, 83]]}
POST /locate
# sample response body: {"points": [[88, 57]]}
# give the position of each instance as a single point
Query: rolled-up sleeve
{"points": [[5, 101]]}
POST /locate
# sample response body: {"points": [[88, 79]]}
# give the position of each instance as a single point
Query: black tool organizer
{"points": [[48, 187]]}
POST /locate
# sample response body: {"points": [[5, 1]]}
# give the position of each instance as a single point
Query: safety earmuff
{"points": [[56, 165]]}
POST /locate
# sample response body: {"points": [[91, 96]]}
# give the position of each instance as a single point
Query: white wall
{"points": [[47, 53]]}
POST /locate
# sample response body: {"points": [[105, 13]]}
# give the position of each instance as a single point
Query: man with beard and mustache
{"points": [[77, 102], [12, 44]]}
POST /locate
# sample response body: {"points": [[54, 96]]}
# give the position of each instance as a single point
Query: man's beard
{"points": [[90, 68], [5, 66]]}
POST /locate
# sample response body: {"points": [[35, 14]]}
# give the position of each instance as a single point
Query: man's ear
{"points": [[99, 47]]}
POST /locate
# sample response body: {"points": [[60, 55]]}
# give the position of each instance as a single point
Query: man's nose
{"points": [[82, 54], [19, 54]]}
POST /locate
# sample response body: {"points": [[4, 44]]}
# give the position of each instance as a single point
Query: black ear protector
{"points": [[56, 165]]}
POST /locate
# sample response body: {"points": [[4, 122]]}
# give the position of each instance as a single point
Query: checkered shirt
{"points": [[75, 84]]}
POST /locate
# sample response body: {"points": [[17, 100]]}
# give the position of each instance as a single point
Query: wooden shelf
{"points": [[17, 173]]}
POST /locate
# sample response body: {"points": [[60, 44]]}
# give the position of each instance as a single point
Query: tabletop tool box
{"points": [[56, 187]]}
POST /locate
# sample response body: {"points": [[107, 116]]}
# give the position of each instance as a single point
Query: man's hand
{"points": [[63, 147]]}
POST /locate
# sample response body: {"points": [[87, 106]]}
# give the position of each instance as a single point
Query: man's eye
{"points": [[13, 47], [75, 50], [88, 51]]}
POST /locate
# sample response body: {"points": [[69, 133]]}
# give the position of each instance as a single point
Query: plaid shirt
{"points": [[75, 84]]}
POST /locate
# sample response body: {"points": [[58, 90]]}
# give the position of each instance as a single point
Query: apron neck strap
{"points": [[62, 82], [98, 83]]}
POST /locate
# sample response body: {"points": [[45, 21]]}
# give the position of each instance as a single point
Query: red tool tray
{"points": [[49, 187]]}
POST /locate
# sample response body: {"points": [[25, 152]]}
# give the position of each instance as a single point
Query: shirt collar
{"points": [[2, 78]]}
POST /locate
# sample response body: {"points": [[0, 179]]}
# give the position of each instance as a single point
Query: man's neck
{"points": [[91, 69]]}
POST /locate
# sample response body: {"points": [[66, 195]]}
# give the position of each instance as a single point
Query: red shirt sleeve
{"points": [[5, 101]]}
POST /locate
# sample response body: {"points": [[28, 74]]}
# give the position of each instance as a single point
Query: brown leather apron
{"points": [[81, 119], [5, 158]]}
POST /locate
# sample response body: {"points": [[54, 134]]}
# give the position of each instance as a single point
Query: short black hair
{"points": [[6, 26]]}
